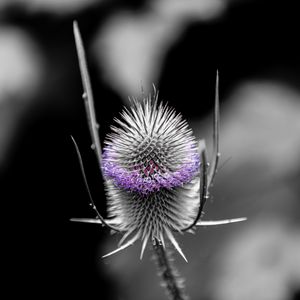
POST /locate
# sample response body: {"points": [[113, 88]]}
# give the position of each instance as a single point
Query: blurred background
{"points": [[177, 45]]}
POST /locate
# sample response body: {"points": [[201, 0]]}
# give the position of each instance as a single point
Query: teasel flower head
{"points": [[151, 149], [151, 168]]}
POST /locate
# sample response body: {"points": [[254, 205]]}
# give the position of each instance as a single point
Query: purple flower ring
{"points": [[150, 177]]}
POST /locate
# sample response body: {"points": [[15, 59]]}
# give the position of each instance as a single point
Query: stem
{"points": [[171, 280]]}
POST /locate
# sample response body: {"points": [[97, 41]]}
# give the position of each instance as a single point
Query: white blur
{"points": [[20, 74], [58, 7], [131, 49]]}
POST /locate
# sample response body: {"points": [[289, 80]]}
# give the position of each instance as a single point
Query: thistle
{"points": [[155, 172], [150, 164]]}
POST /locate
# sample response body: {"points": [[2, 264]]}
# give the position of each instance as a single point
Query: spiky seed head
{"points": [[150, 163]]}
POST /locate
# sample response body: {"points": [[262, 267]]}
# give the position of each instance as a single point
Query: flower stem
{"points": [[171, 280]]}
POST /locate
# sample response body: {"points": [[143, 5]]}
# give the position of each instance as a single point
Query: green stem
{"points": [[172, 282]]}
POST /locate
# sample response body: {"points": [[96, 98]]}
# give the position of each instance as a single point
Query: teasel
{"points": [[156, 174]]}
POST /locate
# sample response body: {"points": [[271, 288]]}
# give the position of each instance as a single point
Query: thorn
{"points": [[220, 222], [129, 243], [144, 246], [117, 250], [86, 220], [175, 244], [124, 237]]}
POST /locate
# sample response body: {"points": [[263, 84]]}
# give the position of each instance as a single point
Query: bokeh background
{"points": [[177, 45]]}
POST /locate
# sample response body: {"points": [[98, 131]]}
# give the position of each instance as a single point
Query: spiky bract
{"points": [[150, 163], [154, 215]]}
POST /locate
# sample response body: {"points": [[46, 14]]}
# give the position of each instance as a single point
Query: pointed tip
{"points": [[154, 87], [74, 142], [175, 244], [117, 250], [75, 26], [144, 246], [124, 237], [110, 253], [124, 246], [184, 258], [239, 219], [86, 220], [217, 77], [77, 37], [221, 222], [217, 87]]}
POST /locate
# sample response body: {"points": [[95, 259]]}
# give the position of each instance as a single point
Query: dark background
{"points": [[41, 186]]}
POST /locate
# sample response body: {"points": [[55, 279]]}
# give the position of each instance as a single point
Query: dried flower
{"points": [[150, 163]]}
